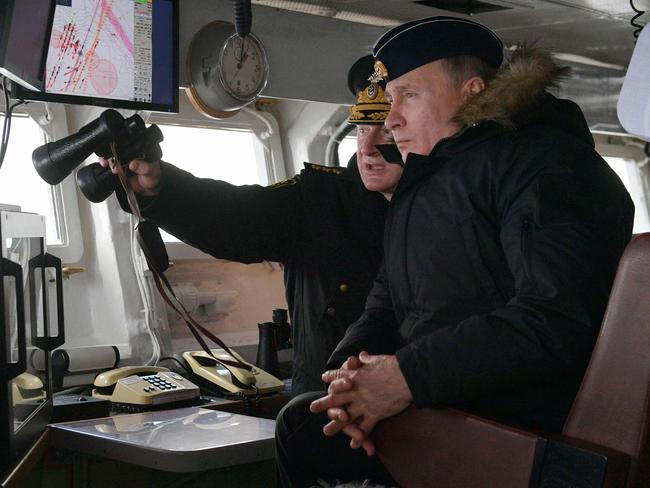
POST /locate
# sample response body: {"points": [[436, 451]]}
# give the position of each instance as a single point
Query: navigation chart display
{"points": [[92, 50], [108, 51]]}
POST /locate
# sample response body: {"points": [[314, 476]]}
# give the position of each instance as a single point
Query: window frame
{"points": [[267, 148], [629, 149], [52, 120], [636, 188]]}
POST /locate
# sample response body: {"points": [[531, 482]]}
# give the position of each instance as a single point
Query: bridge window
{"points": [[19, 183], [243, 150], [347, 148], [220, 154], [628, 172]]}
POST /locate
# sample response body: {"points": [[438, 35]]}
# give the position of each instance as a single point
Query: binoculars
{"points": [[130, 137]]}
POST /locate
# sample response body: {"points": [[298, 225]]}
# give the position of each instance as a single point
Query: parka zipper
{"points": [[525, 236], [492, 284]]}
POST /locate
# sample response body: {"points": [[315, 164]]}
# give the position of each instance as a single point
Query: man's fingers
{"points": [[369, 447], [335, 374], [111, 164], [367, 424], [360, 435], [356, 435], [365, 358], [147, 176], [352, 362], [333, 427], [141, 167], [331, 375], [338, 415], [339, 386], [328, 401], [358, 438]]}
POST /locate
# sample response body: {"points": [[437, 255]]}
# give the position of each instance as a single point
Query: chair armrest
{"points": [[447, 448]]}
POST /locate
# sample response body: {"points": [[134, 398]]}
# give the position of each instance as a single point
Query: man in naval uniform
{"points": [[325, 225]]}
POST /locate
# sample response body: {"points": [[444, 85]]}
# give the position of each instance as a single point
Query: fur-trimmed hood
{"points": [[517, 96], [517, 88]]}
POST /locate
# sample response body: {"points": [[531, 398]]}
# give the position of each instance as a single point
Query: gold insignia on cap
{"points": [[374, 95], [371, 107], [372, 91], [381, 72]]}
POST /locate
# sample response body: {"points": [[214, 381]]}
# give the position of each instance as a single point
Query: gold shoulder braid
{"points": [[324, 169], [283, 183]]}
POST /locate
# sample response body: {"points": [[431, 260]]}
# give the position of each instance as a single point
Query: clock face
{"points": [[244, 67]]}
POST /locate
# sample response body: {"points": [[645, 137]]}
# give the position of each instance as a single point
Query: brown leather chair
{"points": [[604, 442]]}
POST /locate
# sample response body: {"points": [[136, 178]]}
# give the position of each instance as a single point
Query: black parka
{"points": [[500, 250], [323, 225]]}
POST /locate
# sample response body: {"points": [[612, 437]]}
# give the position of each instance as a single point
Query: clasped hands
{"points": [[365, 390]]}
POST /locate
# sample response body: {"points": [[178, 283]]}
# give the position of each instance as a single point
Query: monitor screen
{"points": [[118, 53], [24, 33]]}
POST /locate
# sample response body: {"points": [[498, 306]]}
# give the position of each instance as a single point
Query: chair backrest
{"points": [[613, 405]]}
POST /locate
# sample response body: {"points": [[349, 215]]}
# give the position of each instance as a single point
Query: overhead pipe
{"points": [[243, 17]]}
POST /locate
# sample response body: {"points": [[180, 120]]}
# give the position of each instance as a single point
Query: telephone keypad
{"points": [[156, 382]]}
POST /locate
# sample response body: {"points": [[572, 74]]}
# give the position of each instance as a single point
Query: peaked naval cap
{"points": [[416, 43], [371, 106]]}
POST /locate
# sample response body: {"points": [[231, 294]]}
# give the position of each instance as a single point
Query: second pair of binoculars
{"points": [[130, 137]]}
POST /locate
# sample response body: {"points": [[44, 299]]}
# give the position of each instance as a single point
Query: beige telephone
{"points": [[27, 388], [222, 375], [144, 386]]}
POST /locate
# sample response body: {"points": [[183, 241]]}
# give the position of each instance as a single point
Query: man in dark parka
{"points": [[501, 245]]}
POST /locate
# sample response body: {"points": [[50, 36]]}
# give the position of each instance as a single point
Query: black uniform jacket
{"points": [[500, 250], [323, 225]]}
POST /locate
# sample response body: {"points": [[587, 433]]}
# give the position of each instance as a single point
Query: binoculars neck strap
{"points": [[164, 287]]}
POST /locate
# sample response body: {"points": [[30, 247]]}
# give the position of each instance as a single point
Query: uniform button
{"points": [[344, 287], [331, 311]]}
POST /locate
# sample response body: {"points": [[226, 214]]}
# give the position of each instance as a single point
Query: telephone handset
{"points": [[231, 378], [27, 388], [143, 386]]}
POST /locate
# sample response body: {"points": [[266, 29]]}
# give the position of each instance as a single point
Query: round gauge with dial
{"points": [[224, 71], [244, 68]]}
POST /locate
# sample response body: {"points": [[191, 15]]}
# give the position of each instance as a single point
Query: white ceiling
{"points": [[595, 37]]}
